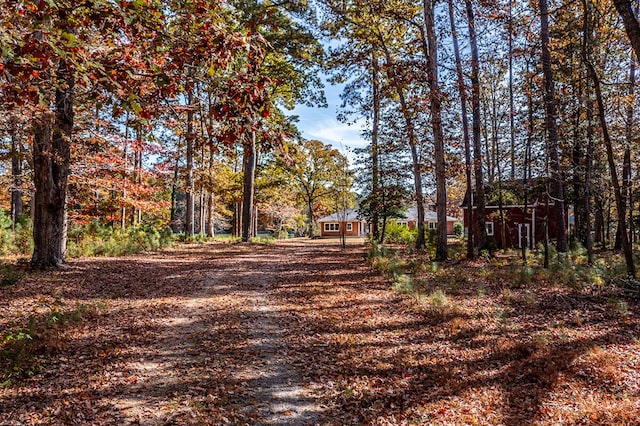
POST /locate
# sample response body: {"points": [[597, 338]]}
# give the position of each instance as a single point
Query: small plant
{"points": [[440, 305], [10, 275], [481, 291], [403, 284], [22, 348], [525, 274], [438, 299], [458, 229], [619, 306], [530, 299], [99, 240]]}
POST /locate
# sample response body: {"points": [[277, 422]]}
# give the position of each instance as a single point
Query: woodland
{"points": [[165, 128]]}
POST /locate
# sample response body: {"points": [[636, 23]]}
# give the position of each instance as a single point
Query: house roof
{"points": [[429, 215], [349, 215]]}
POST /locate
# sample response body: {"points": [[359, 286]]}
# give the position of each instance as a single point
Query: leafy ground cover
{"points": [[301, 332]]}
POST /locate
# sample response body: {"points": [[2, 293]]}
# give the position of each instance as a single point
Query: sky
{"points": [[321, 123]]}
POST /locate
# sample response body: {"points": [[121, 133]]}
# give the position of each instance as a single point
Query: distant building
{"points": [[521, 228], [430, 220], [347, 220]]}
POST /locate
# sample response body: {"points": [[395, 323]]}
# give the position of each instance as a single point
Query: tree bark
{"points": [[512, 111], [16, 172], [435, 103], [249, 169], [619, 199], [210, 215], [465, 131], [413, 146], [190, 187], [587, 177], [51, 158], [552, 131], [627, 172], [631, 25], [375, 161], [477, 143]]}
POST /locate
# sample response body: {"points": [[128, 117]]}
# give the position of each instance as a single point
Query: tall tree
{"points": [[619, 199], [435, 103], [551, 127], [462, 90], [631, 25], [315, 168], [480, 223]]}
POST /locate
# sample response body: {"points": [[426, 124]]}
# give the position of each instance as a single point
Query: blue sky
{"points": [[322, 124]]}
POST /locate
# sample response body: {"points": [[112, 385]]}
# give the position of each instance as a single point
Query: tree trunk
{"points": [[477, 144], [413, 142], [587, 178], [16, 172], [631, 25], [375, 161], [51, 158], [579, 223], [174, 190], [249, 170], [552, 131], [125, 167], [526, 172], [465, 130], [512, 111], [190, 187], [435, 103], [310, 218], [210, 216], [621, 210], [627, 172]]}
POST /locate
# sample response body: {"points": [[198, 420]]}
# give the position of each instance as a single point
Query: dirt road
{"points": [[200, 334], [303, 333]]}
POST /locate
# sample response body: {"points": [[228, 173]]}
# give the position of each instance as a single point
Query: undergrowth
{"points": [[430, 282], [23, 348], [100, 240]]}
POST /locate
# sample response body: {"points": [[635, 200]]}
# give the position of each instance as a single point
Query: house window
{"points": [[349, 227], [433, 225], [331, 227], [489, 226], [402, 223]]}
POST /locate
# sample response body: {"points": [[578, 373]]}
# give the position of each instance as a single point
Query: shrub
{"points": [[10, 274], [100, 240], [16, 241], [22, 349], [458, 229], [400, 234], [403, 283]]}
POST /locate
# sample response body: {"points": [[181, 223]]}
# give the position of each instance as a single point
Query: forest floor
{"points": [[301, 332]]}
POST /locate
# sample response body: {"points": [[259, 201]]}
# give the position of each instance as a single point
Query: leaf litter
{"points": [[303, 332]]}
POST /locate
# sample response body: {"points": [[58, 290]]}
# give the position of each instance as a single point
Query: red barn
{"points": [[521, 228]]}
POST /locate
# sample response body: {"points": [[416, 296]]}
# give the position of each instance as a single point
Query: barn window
{"points": [[489, 226]]}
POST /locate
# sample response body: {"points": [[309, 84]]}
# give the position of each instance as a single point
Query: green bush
{"points": [[458, 229], [400, 234], [22, 349], [99, 240], [10, 274], [15, 240]]}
